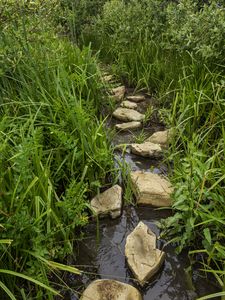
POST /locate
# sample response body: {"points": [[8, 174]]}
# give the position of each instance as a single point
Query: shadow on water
{"points": [[106, 259]]}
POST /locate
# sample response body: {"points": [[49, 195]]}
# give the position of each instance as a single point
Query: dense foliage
{"points": [[54, 151]]}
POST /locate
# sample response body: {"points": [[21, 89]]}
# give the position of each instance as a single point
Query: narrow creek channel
{"points": [[100, 255]]}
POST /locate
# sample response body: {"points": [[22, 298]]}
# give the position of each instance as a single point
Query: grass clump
{"points": [[55, 153]]}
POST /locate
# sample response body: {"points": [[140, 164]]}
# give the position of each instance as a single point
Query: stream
{"points": [[100, 254]]}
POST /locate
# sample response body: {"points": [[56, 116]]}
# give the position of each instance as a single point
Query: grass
{"points": [[55, 153]]}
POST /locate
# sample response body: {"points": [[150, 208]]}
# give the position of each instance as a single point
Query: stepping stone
{"points": [[118, 93], [128, 104], [160, 137], [143, 258], [126, 114], [108, 202], [128, 126], [136, 98], [147, 149], [107, 78], [151, 189], [106, 289]]}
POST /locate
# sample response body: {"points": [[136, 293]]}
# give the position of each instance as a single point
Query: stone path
{"points": [[142, 255]]}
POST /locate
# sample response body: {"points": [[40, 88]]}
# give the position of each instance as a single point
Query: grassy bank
{"points": [[176, 49], [54, 154]]}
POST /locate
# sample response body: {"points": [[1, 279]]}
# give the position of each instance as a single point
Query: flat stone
{"points": [[160, 137], [118, 93], [143, 258], [106, 289], [128, 104], [136, 98], [147, 149], [107, 78], [126, 114], [128, 126], [151, 189], [108, 202]]}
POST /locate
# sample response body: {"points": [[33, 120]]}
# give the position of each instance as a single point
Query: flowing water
{"points": [[101, 253]]}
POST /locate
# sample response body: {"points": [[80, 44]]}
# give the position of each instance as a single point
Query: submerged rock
{"points": [[106, 289], [147, 149], [118, 93], [128, 104], [136, 98], [142, 256], [126, 114], [160, 137], [151, 189], [128, 125], [108, 202]]}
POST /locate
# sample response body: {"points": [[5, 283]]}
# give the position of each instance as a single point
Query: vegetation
{"points": [[54, 151]]}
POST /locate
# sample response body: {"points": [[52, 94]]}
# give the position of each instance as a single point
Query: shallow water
{"points": [[101, 253], [105, 259]]}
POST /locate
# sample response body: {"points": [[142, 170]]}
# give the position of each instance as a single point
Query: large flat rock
{"points": [[108, 203], [147, 149], [118, 93], [143, 258], [128, 126], [160, 137], [151, 189], [126, 114], [136, 98], [128, 104], [106, 289]]}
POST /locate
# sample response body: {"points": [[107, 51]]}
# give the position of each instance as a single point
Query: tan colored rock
{"points": [[160, 137], [128, 104], [106, 289], [147, 149], [118, 93], [151, 189], [143, 258], [107, 78], [108, 202], [136, 98], [126, 114], [128, 126]]}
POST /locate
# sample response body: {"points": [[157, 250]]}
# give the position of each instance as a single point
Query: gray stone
{"points": [[108, 202], [151, 189], [106, 289], [147, 149], [118, 93], [160, 137], [143, 258], [126, 114], [128, 126], [128, 104], [136, 98]]}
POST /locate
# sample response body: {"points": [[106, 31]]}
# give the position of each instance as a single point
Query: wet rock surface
{"points": [[147, 149], [110, 290], [108, 202], [143, 258], [126, 114], [151, 189]]}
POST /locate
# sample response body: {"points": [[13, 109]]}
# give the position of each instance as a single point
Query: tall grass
{"points": [[55, 153]]}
